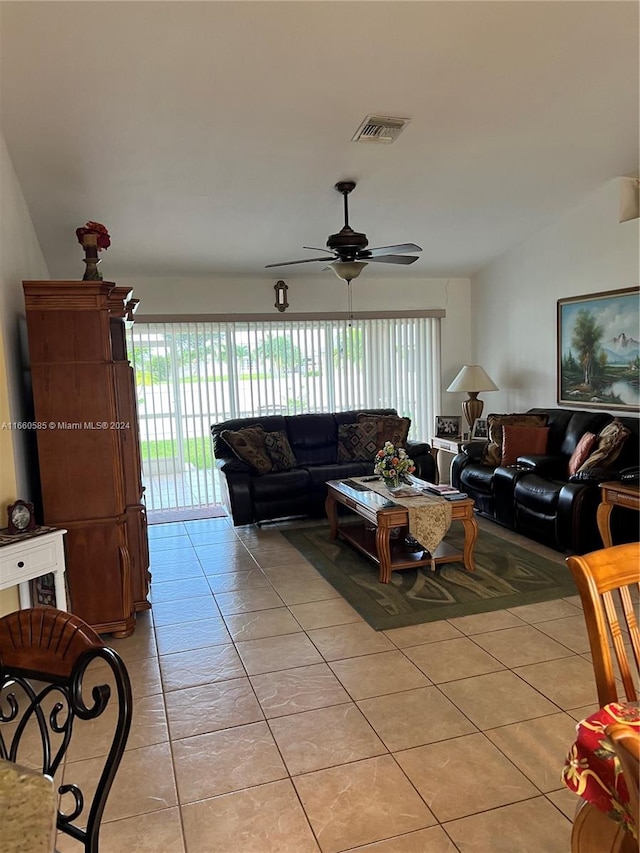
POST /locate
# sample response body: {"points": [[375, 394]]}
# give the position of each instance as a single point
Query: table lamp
{"points": [[472, 379]]}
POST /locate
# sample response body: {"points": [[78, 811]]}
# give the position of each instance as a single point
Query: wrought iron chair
{"points": [[44, 692]]}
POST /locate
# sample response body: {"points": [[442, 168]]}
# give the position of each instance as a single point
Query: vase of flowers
{"points": [[93, 237], [393, 465]]}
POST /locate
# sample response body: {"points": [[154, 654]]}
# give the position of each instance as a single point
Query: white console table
{"points": [[26, 556]]}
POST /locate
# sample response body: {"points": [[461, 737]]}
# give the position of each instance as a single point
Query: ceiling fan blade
{"points": [[306, 261], [393, 259], [402, 249], [316, 249]]}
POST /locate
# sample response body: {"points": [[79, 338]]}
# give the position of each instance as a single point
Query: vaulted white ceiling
{"points": [[207, 136]]}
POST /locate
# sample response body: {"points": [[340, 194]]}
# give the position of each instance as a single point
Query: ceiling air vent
{"points": [[381, 129]]}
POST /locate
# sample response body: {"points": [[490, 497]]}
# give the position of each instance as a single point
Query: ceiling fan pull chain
{"points": [[349, 301]]}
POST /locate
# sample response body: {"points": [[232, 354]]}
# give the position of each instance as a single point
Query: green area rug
{"points": [[506, 575]]}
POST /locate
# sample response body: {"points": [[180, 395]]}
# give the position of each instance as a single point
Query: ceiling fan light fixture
{"points": [[347, 270]]}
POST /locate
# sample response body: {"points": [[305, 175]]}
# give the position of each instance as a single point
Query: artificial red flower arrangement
{"points": [[104, 241]]}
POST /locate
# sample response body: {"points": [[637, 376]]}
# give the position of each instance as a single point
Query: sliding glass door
{"points": [[192, 375]]}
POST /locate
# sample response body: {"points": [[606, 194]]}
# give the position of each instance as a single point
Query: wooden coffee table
{"points": [[374, 540]]}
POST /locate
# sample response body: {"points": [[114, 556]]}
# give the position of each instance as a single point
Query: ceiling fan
{"points": [[348, 248]]}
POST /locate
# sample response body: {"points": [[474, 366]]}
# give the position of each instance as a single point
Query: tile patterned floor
{"points": [[270, 718]]}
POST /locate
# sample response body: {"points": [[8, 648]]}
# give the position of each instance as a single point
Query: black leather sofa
{"points": [[300, 491], [537, 497]]}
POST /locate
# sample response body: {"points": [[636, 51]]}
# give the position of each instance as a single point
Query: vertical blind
{"points": [[193, 374]]}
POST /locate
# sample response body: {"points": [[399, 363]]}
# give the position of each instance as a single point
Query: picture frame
{"points": [[480, 431], [448, 426], [598, 353]]}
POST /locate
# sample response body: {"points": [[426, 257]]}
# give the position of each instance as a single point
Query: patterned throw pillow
{"points": [[357, 442], [581, 453], [608, 446], [280, 452], [391, 428], [248, 445], [521, 441], [492, 453]]}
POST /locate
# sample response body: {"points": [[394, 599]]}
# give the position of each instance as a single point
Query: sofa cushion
{"points": [[278, 484], [537, 494], [357, 442], [581, 453], [248, 445], [313, 438], [521, 440], [608, 446], [476, 479], [492, 454], [279, 450], [391, 428]]}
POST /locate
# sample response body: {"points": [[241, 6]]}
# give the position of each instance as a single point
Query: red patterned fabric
{"points": [[592, 769]]}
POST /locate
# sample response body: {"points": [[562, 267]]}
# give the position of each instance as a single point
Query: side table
{"points": [[448, 445], [26, 556], [615, 494]]}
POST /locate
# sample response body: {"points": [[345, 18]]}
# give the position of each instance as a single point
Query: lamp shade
{"points": [[347, 270], [472, 377]]}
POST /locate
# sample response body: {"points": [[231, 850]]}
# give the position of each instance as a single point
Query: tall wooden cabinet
{"points": [[88, 445]]}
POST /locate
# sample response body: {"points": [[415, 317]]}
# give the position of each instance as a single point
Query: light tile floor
{"points": [[270, 718]]}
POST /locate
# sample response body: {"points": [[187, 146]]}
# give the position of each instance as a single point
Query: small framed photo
{"points": [[480, 431], [448, 426]]}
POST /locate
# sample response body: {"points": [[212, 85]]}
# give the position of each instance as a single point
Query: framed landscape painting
{"points": [[599, 350]]}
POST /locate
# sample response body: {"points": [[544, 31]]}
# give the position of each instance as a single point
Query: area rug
{"points": [[506, 575]]}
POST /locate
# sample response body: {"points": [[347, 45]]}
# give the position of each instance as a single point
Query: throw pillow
{"points": [[357, 442], [581, 453], [280, 451], [492, 453], [248, 445], [391, 428], [608, 446], [521, 441]]}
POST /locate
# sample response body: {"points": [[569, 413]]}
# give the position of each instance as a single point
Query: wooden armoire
{"points": [[88, 445]]}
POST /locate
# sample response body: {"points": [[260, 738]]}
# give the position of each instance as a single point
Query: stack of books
{"points": [[444, 490]]}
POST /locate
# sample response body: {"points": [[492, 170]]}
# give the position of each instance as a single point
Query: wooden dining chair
{"points": [[626, 742], [607, 581], [56, 673]]}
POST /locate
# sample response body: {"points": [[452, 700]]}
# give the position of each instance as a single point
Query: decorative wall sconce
{"points": [[281, 295]]}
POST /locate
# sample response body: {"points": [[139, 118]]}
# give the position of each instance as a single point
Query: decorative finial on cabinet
{"points": [[93, 237]]}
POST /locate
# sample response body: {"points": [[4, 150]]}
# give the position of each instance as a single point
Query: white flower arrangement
{"points": [[393, 463]]}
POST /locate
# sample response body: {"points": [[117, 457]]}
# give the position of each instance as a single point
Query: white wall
{"points": [[319, 293], [20, 258], [514, 299]]}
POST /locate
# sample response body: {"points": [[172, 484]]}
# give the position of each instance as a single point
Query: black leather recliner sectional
{"points": [[536, 496], [300, 491]]}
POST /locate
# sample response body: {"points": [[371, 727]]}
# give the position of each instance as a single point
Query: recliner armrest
{"points": [[416, 447], [593, 475], [233, 466], [420, 452], [474, 449], [545, 465]]}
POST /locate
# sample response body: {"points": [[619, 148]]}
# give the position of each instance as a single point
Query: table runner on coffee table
{"points": [[429, 515]]}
